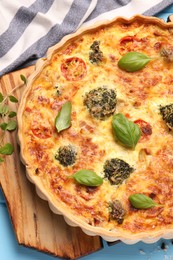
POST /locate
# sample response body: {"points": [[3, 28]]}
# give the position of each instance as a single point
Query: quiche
{"points": [[95, 129]]}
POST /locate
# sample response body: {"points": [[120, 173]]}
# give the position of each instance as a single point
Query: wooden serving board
{"points": [[34, 223]]}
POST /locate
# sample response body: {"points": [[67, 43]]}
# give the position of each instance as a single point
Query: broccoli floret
{"points": [[95, 55], [66, 155], [117, 170], [167, 52], [117, 211], [167, 115], [101, 102]]}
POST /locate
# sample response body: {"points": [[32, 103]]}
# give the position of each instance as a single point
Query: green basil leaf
{"points": [[63, 119], [4, 110], [141, 201], [23, 78], [12, 114], [11, 125], [87, 178], [3, 126], [13, 99], [7, 149], [127, 132], [1, 160], [1, 97], [133, 61]]}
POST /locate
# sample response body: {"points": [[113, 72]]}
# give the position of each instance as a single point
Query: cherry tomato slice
{"points": [[132, 43], [73, 69], [145, 127], [42, 132], [128, 39]]}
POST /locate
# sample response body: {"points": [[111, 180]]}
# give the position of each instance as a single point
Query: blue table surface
{"points": [[10, 250]]}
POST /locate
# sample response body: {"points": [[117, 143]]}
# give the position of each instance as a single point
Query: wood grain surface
{"points": [[34, 224]]}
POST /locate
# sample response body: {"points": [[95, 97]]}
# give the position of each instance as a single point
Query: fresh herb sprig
{"points": [[141, 201], [133, 61], [127, 132], [23, 78], [87, 178], [63, 119], [6, 121]]}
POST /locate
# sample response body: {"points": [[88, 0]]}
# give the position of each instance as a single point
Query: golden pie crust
{"points": [[67, 74]]}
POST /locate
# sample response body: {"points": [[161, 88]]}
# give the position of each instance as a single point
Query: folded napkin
{"points": [[28, 28]]}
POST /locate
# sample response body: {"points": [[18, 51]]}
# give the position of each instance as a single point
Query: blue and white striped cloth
{"points": [[28, 28]]}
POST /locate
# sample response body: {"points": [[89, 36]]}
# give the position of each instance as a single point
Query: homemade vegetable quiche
{"points": [[95, 129]]}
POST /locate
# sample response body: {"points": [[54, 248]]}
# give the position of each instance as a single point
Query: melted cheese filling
{"points": [[139, 96]]}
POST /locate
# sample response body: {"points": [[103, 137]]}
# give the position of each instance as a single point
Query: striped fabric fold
{"points": [[28, 28], [20, 22]]}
